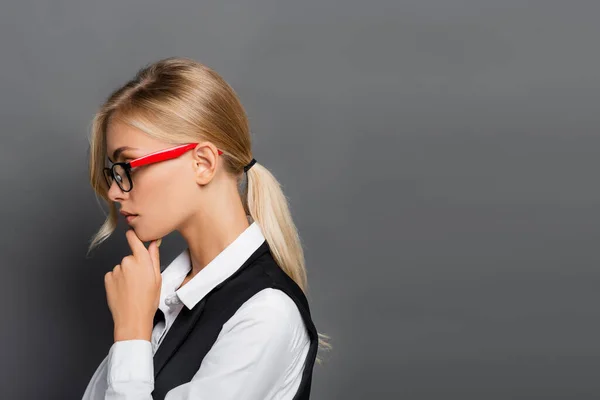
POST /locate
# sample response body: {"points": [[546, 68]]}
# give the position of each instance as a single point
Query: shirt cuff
{"points": [[130, 360]]}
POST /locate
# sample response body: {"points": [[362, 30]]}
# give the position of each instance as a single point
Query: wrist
{"points": [[132, 333]]}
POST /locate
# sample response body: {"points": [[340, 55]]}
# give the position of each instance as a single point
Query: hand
{"points": [[133, 290]]}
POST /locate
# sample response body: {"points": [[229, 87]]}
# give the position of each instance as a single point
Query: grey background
{"points": [[441, 160]]}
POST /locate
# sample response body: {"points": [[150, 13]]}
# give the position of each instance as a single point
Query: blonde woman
{"points": [[228, 318]]}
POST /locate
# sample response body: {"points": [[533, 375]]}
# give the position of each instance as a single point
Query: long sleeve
{"points": [[259, 355], [130, 371]]}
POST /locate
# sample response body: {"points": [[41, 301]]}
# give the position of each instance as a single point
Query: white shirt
{"points": [[258, 355]]}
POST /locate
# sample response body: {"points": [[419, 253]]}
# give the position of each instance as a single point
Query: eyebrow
{"points": [[120, 150]]}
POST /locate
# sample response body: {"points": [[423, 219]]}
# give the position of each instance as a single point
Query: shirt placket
{"points": [[173, 302]]}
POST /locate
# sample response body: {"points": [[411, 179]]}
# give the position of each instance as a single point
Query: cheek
{"points": [[165, 198]]}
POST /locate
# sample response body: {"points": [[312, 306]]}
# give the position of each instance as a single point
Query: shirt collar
{"points": [[220, 268]]}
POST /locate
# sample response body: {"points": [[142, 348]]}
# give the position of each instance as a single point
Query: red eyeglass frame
{"points": [[163, 155], [157, 156]]}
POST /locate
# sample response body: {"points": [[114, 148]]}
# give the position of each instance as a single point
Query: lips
{"points": [[128, 216], [125, 213]]}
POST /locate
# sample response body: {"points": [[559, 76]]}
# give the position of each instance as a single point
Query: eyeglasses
{"points": [[121, 171]]}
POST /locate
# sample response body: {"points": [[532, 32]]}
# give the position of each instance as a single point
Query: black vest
{"points": [[194, 331]]}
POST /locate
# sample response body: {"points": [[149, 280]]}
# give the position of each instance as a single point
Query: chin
{"points": [[148, 235], [145, 235], [141, 236]]}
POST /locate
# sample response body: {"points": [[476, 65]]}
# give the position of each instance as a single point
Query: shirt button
{"points": [[172, 300]]}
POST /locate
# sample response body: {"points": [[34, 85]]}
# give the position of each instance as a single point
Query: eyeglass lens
{"points": [[120, 175]]}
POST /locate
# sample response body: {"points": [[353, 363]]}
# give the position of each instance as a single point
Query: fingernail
{"points": [[158, 242]]}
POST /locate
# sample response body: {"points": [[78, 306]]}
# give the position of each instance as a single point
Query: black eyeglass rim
{"points": [[127, 167]]}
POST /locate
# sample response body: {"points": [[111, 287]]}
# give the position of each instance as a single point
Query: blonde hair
{"points": [[179, 100]]}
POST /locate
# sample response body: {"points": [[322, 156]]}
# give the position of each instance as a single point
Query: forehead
{"points": [[120, 134]]}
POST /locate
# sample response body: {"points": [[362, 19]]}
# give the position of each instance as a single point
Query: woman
{"points": [[228, 318]]}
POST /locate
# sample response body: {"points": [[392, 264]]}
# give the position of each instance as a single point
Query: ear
{"points": [[205, 157]]}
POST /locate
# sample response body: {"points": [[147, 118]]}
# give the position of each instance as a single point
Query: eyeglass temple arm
{"points": [[162, 155]]}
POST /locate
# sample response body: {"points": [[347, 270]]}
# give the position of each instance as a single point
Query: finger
{"points": [[137, 246], [155, 255]]}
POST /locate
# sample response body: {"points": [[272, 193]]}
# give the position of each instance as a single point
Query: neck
{"points": [[208, 233]]}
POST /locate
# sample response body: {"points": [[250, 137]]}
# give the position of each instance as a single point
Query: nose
{"points": [[115, 193]]}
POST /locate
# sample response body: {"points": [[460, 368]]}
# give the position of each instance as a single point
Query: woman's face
{"points": [[164, 194]]}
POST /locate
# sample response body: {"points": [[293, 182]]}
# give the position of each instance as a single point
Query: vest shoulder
{"points": [[261, 271], [267, 269], [272, 300], [271, 313]]}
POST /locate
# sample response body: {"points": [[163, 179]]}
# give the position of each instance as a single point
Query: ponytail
{"points": [[268, 206]]}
